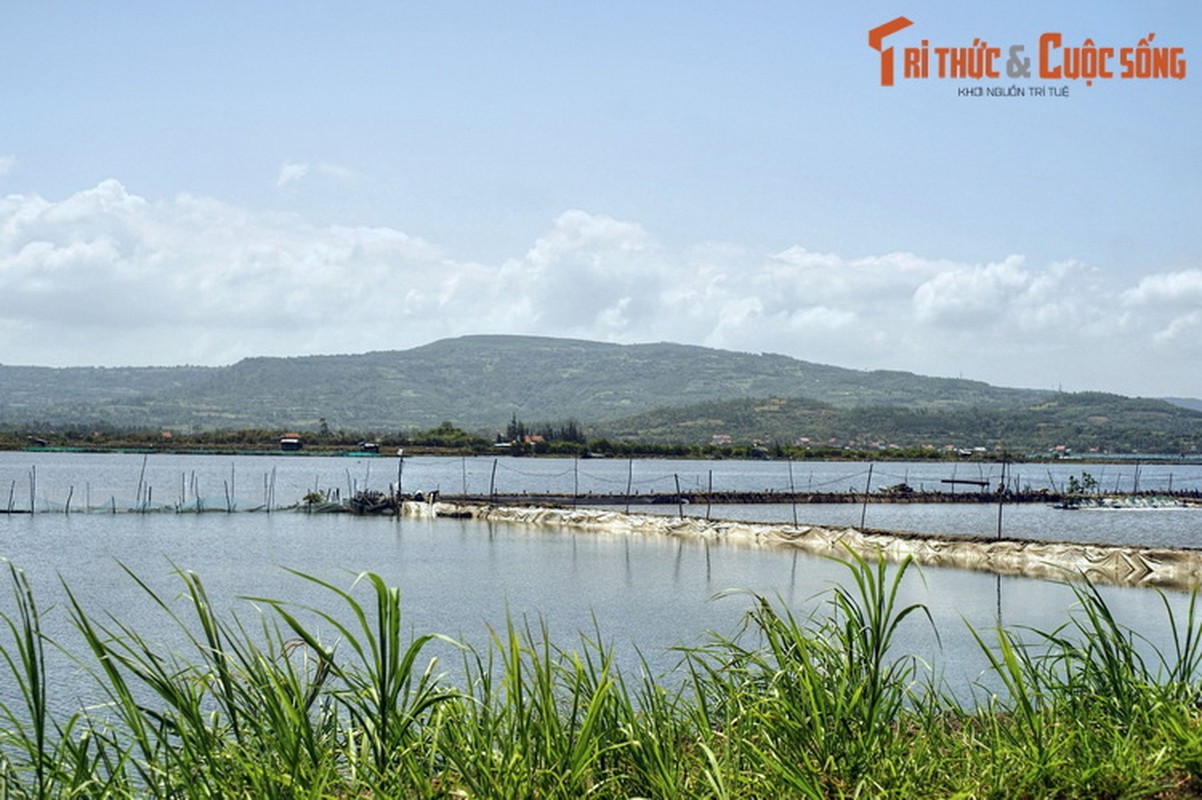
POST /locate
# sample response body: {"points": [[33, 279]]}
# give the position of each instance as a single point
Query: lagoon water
{"points": [[463, 578]]}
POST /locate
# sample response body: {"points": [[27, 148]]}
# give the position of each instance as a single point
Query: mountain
{"points": [[481, 382], [1082, 422], [1192, 403], [97, 395]]}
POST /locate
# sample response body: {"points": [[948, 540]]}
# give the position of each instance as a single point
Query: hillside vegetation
{"points": [[1082, 422], [660, 392], [478, 381]]}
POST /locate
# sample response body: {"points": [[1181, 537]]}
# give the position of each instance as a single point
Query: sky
{"points": [[201, 183]]}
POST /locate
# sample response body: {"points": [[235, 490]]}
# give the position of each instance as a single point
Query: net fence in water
{"points": [[113, 505]]}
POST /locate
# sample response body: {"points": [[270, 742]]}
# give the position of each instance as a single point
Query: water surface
{"points": [[464, 578]]}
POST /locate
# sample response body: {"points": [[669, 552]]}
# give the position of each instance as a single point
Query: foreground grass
{"points": [[815, 706]]}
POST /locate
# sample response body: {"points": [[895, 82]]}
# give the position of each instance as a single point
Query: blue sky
{"points": [[201, 184]]}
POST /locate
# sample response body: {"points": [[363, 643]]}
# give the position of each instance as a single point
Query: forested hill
{"points": [[89, 394], [1081, 422], [481, 382]]}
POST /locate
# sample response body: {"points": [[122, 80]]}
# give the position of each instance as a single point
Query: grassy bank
{"points": [[815, 706]]}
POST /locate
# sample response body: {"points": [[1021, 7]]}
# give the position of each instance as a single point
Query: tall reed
{"points": [[812, 705], [387, 695], [814, 701]]}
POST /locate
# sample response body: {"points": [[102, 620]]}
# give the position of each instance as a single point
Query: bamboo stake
{"points": [[867, 489], [629, 481], [141, 478], [793, 493]]}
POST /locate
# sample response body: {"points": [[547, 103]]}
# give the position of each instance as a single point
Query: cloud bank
{"points": [[106, 277]]}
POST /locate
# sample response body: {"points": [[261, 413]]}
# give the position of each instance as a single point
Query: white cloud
{"points": [[1172, 302], [1176, 289], [798, 256], [294, 172], [291, 173], [6, 164], [589, 274], [1184, 331], [969, 296], [105, 276]]}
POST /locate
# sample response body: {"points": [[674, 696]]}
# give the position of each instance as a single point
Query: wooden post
{"points": [[793, 494], [709, 495], [629, 482], [141, 479], [1001, 499], [867, 489], [492, 484]]}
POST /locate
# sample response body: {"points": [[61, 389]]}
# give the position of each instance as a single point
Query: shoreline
{"points": [[651, 454]]}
